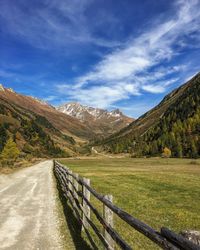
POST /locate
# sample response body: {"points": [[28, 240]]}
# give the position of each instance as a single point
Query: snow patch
{"points": [[82, 112], [39, 100], [2, 87]]}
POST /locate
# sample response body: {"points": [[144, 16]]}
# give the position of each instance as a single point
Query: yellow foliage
{"points": [[10, 151], [166, 152]]}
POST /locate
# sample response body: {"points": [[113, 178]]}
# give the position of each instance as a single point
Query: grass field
{"points": [[159, 192]]}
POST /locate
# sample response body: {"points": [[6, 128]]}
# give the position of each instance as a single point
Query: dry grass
{"points": [[5, 169], [159, 192]]}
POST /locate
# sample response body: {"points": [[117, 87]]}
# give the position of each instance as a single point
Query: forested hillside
{"points": [[66, 124], [33, 134], [178, 126]]}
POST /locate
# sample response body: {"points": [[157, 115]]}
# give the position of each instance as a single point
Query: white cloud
{"points": [[128, 70], [147, 50], [51, 25], [153, 88], [97, 96]]}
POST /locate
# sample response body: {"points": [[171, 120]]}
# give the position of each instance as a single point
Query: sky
{"points": [[125, 54]]}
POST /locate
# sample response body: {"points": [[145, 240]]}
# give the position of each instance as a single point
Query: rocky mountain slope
{"points": [[174, 123], [101, 121], [39, 129], [33, 133], [66, 124]]}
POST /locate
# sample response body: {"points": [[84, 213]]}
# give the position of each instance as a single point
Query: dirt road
{"points": [[101, 154], [28, 218]]}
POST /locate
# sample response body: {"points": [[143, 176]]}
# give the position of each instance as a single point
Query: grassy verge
{"points": [[159, 192], [64, 231], [70, 228], [5, 169]]}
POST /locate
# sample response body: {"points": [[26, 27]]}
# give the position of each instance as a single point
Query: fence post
{"points": [[108, 216], [69, 182], [76, 186], [86, 208]]}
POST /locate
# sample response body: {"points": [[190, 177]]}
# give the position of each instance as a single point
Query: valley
{"points": [[40, 130], [74, 129], [149, 166], [99, 125]]}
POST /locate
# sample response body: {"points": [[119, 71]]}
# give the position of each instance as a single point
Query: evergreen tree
{"points": [[194, 152], [3, 137], [179, 151]]}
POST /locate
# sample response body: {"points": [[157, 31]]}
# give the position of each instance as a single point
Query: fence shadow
{"points": [[72, 223]]}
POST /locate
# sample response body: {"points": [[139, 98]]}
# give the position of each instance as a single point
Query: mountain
{"points": [[101, 121], [66, 124], [174, 123], [33, 134]]}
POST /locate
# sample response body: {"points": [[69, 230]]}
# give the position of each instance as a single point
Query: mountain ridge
{"points": [[166, 112], [102, 121], [66, 124], [173, 123], [72, 108], [89, 128], [33, 134]]}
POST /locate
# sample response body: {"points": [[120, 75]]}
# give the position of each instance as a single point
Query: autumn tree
{"points": [[10, 151], [166, 152]]}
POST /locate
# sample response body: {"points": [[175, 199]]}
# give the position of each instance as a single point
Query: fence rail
{"points": [[75, 187]]}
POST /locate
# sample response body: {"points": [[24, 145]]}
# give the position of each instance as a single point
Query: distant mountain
{"points": [[174, 123], [100, 121], [66, 124]]}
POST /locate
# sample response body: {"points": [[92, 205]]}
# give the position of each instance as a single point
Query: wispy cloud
{"points": [[144, 63], [98, 96], [51, 24], [135, 67]]}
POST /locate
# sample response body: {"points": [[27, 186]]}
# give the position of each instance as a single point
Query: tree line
{"points": [[178, 130]]}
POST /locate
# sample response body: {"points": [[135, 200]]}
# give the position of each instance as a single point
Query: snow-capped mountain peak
{"points": [[82, 112], [100, 120]]}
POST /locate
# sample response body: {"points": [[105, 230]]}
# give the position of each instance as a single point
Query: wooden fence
{"points": [[77, 191]]}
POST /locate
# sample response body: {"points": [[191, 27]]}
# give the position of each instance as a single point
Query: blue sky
{"points": [[125, 54]]}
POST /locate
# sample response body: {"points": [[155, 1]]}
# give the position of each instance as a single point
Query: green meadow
{"points": [[159, 192]]}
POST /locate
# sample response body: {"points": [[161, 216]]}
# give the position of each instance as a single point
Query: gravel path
{"points": [[28, 217]]}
